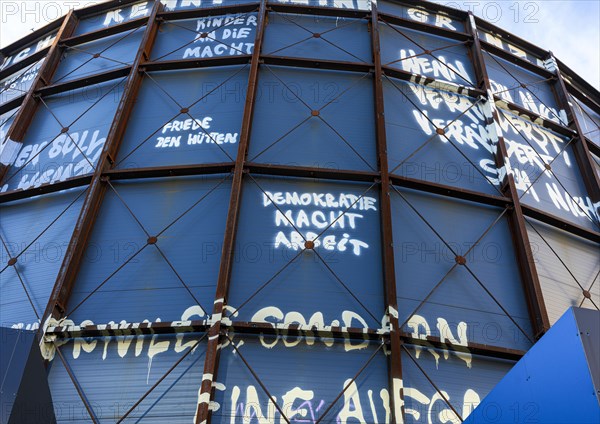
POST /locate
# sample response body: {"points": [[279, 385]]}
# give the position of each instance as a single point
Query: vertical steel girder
{"points": [[73, 257], [23, 119], [389, 273], [529, 276], [580, 147], [211, 362]]}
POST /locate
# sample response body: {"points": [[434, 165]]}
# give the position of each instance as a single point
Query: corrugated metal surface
{"points": [[41, 248], [424, 261], [580, 259], [138, 282]]}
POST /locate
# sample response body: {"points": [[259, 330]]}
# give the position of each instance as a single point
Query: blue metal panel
{"points": [[158, 134], [18, 84], [6, 121], [506, 80], [48, 154], [284, 130], [315, 366], [266, 242], [403, 48], [459, 308], [420, 14], [115, 51], [212, 36], [588, 120], [144, 284], [463, 379], [416, 151], [505, 45], [561, 190], [344, 39], [40, 261], [114, 17], [562, 280], [550, 384], [114, 372]]}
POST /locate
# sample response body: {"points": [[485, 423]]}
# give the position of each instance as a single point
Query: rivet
{"points": [[440, 131], [12, 261], [152, 240], [64, 130], [314, 113], [461, 260], [309, 244], [316, 35]]}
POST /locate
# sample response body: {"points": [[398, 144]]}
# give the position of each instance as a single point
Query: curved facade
{"points": [[241, 211]]}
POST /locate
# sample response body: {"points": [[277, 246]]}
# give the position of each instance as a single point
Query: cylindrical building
{"points": [[250, 211]]}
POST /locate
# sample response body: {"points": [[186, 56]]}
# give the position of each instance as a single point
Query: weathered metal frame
{"points": [[536, 306], [216, 328]]}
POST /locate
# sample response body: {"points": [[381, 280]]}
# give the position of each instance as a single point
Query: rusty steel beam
{"points": [[385, 210], [450, 191], [317, 10], [527, 115], [13, 104], [91, 205], [12, 69], [167, 65], [84, 81], [516, 220], [311, 172], [582, 89], [97, 8], [593, 148], [19, 127], [523, 63], [104, 32], [211, 362], [72, 182], [211, 11], [580, 148], [169, 171], [431, 83], [316, 63], [563, 224], [275, 330], [46, 30]]}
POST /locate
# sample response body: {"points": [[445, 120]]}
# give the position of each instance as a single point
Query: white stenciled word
{"points": [[364, 405], [220, 36], [319, 219], [436, 68], [197, 131], [68, 155]]}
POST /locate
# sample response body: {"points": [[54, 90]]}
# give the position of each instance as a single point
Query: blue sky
{"points": [[571, 29]]}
